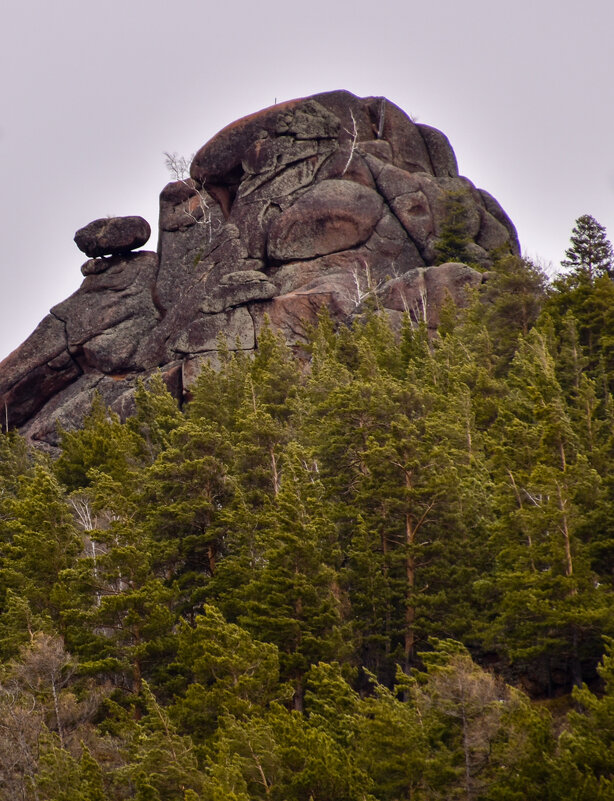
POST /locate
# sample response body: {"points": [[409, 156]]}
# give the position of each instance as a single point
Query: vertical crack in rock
{"points": [[67, 347]]}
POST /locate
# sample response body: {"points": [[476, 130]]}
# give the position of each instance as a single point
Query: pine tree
{"points": [[586, 290], [586, 759], [38, 539], [182, 493], [281, 757], [156, 416], [590, 254], [508, 305], [16, 460], [62, 777], [163, 765], [220, 669], [118, 609], [102, 443], [393, 747], [453, 242], [292, 599], [486, 742], [550, 603], [217, 394]]}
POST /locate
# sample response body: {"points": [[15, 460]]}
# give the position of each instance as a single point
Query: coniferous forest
{"points": [[380, 568]]}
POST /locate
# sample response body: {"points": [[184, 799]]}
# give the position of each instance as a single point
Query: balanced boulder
{"points": [[112, 236]]}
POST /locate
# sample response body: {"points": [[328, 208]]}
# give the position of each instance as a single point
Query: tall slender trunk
{"points": [[589, 424], [274, 471], [576, 665], [563, 459], [410, 575], [298, 611], [137, 675], [412, 527], [468, 788], [56, 707], [564, 528], [258, 763], [387, 619], [212, 557], [98, 594], [521, 506], [298, 700]]}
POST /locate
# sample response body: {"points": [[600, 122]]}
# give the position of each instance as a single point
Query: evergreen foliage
{"points": [[329, 579], [586, 291], [590, 254], [454, 239]]}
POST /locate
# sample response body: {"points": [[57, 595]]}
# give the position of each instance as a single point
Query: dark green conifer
{"points": [[454, 239], [586, 756], [590, 254], [39, 540], [551, 605], [223, 671], [293, 599]]}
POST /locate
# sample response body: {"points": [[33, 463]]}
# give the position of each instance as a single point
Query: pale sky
{"points": [[92, 94]]}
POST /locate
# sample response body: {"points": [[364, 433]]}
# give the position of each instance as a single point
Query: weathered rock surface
{"points": [[110, 236], [320, 201], [330, 217]]}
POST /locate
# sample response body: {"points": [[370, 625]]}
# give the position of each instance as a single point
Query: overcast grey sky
{"points": [[92, 94]]}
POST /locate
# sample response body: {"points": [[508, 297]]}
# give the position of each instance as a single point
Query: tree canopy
{"points": [[380, 572]]}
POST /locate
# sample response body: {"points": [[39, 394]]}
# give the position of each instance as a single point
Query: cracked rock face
{"points": [[315, 202]]}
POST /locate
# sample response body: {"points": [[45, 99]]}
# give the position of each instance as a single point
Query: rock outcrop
{"points": [[315, 202], [111, 236]]}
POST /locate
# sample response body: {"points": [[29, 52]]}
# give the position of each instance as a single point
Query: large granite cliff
{"points": [[315, 202]]}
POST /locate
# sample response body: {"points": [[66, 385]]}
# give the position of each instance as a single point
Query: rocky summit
{"points": [[317, 202]]}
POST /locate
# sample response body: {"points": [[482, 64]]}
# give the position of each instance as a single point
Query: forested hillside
{"points": [[377, 568]]}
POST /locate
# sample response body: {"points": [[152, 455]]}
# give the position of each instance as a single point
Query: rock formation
{"points": [[112, 235], [315, 202]]}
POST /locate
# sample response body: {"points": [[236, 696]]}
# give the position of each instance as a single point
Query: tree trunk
{"points": [[576, 665], [410, 609]]}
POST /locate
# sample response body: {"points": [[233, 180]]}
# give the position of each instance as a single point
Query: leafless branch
{"points": [[354, 136], [179, 168]]}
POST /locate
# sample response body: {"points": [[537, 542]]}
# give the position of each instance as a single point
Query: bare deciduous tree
{"points": [[471, 697], [40, 710], [199, 211], [45, 667]]}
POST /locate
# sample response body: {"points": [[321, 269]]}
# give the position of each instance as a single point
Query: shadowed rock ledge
{"points": [[315, 202]]}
